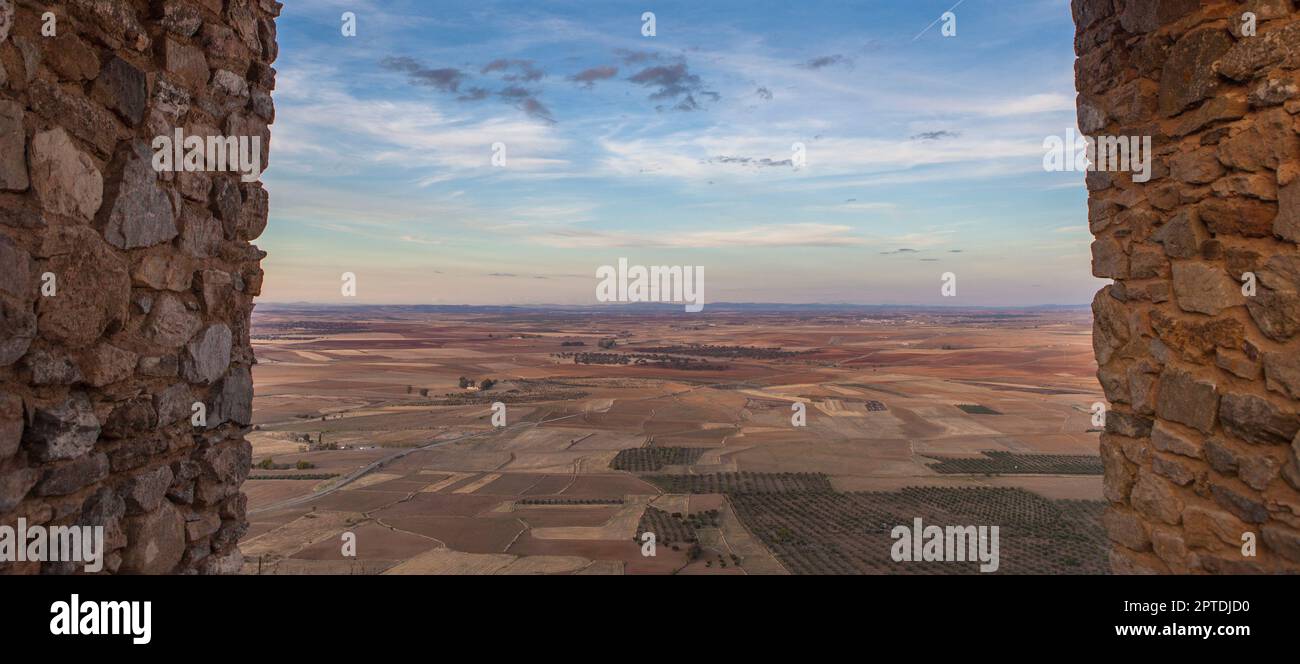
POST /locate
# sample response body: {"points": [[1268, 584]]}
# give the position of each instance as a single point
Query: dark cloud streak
{"points": [[826, 61], [674, 82], [473, 94], [635, 57], [763, 162], [446, 79], [515, 70], [588, 77], [449, 80], [935, 135], [536, 109]]}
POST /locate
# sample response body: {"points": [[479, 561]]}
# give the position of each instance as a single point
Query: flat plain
{"points": [[748, 440]]}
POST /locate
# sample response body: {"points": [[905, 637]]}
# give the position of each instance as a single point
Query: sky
{"points": [[922, 154]]}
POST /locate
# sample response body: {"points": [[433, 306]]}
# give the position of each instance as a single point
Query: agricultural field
{"points": [[486, 441], [1009, 463], [655, 458], [816, 532]]}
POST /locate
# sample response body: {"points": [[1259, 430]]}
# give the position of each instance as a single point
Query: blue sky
{"points": [[923, 152]]}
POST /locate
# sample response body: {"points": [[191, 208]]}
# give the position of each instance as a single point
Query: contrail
{"points": [[927, 28]]}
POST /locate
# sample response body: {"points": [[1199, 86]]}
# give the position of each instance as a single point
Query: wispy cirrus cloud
{"points": [[426, 142], [776, 235], [1025, 105], [719, 153], [908, 147]]}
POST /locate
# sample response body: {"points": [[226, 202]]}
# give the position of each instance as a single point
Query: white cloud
{"points": [[322, 122], [782, 235], [1039, 103], [696, 155], [854, 207]]}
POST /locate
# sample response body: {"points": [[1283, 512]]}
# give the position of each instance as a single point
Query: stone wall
{"points": [[126, 288], [1198, 338]]}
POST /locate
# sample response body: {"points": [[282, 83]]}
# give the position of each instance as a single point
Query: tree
{"points": [[486, 384], [466, 382]]}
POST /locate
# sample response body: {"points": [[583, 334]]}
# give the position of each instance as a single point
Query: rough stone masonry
{"points": [[125, 293], [1198, 338]]}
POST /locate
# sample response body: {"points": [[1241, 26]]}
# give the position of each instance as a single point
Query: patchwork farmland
{"points": [[472, 441]]}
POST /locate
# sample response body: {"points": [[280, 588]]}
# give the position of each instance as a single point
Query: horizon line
{"points": [[673, 305]]}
